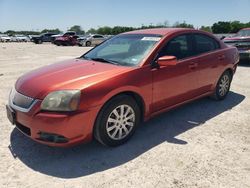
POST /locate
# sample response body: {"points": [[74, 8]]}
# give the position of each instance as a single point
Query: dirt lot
{"points": [[202, 144]]}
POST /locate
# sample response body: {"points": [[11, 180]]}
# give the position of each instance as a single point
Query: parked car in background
{"points": [[5, 38], [91, 40], [68, 33], [108, 91], [242, 42], [221, 36], [67, 39], [45, 37], [20, 38]]}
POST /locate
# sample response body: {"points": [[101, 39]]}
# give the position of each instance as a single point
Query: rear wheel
{"points": [[117, 121], [88, 43], [57, 43], [223, 86]]}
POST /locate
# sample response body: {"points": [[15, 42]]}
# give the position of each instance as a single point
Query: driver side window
{"points": [[180, 47]]}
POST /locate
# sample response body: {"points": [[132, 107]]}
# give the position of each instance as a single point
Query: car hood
{"points": [[71, 74], [5, 37]]}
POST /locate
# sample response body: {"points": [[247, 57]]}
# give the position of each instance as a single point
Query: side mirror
{"points": [[167, 61]]}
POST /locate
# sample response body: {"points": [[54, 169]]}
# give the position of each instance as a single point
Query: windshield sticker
{"points": [[151, 38]]}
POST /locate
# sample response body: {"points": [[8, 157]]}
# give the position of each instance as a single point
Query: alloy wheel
{"points": [[120, 122], [224, 85]]}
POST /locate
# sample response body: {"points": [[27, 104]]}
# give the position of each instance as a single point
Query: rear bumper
{"points": [[68, 128]]}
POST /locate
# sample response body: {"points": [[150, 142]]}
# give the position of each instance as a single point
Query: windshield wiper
{"points": [[105, 60]]}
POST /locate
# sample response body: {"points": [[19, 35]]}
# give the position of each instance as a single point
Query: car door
{"points": [[210, 57], [100, 39], [177, 83], [95, 39]]}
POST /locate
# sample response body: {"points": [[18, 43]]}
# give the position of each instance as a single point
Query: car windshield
{"points": [[125, 49], [243, 33]]}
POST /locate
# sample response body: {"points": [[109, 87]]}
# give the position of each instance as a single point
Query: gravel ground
{"points": [[202, 144]]}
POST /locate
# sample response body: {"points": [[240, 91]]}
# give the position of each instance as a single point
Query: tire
{"points": [[223, 86], [88, 43], [57, 43], [112, 129]]}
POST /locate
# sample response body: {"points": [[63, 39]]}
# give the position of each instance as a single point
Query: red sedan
{"points": [[129, 78]]}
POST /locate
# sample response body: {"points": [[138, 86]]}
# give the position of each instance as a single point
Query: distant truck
{"points": [[242, 42], [45, 37]]}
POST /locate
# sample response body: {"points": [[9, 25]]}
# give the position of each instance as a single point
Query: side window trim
{"points": [[218, 46], [190, 41]]}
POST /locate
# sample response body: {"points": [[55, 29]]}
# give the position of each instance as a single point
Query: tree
{"points": [[91, 31], [10, 32], [51, 31], [236, 26], [77, 29], [222, 27], [206, 28], [104, 30], [183, 25]]}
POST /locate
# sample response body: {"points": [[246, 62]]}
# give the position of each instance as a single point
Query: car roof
{"points": [[159, 31]]}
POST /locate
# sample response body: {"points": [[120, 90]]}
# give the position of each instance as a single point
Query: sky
{"points": [[40, 14]]}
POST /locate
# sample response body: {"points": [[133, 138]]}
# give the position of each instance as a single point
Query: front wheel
{"points": [[223, 86], [117, 121]]}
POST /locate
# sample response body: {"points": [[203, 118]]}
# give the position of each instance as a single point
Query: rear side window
{"points": [[180, 47], [97, 36], [204, 44]]}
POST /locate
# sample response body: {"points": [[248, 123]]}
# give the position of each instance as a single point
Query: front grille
{"points": [[23, 129], [21, 100]]}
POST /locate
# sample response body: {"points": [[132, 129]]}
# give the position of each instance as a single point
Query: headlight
{"points": [[64, 100]]}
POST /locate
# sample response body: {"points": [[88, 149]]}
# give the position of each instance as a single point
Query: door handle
{"points": [[192, 65], [221, 57]]}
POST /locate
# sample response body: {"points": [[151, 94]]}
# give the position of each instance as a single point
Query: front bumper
{"points": [[61, 129], [244, 55]]}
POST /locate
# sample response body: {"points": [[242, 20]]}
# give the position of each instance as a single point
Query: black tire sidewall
{"points": [[88, 43], [100, 127]]}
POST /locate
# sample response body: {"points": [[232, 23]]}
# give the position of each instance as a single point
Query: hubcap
{"points": [[120, 122], [224, 85]]}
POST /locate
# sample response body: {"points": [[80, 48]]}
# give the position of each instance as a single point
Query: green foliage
{"points": [[183, 25], [120, 29], [104, 30], [11, 32], [219, 27], [222, 27], [91, 31], [206, 28], [77, 29], [229, 27], [57, 31]]}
